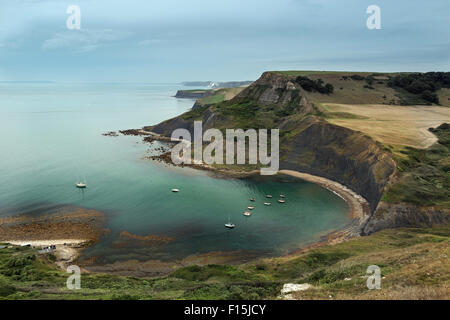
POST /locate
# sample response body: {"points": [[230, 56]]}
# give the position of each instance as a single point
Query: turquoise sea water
{"points": [[50, 136]]}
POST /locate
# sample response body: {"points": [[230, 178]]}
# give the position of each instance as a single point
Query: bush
{"points": [[423, 84], [311, 85], [430, 96], [357, 77], [6, 290]]}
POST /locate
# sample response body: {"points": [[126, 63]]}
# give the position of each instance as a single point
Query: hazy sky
{"points": [[177, 40]]}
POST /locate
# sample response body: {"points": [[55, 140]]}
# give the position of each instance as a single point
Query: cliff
{"points": [[401, 215], [308, 143], [339, 154], [193, 94]]}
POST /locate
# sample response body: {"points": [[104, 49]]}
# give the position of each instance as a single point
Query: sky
{"points": [[178, 40]]}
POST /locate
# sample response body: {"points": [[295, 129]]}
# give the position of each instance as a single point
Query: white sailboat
{"points": [[81, 185], [229, 225]]}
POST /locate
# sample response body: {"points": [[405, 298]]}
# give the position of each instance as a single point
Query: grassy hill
{"points": [[219, 95], [414, 265], [305, 106], [379, 88]]}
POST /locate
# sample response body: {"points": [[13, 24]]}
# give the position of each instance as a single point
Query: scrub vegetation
{"points": [[424, 173], [414, 264]]}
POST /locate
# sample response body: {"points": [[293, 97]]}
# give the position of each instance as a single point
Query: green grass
{"points": [[425, 174], [26, 275], [216, 98]]}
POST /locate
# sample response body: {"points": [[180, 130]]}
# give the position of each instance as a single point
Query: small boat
{"points": [[229, 225], [175, 190], [247, 213], [281, 195], [81, 185], [267, 203], [250, 207], [281, 201], [252, 199], [269, 196]]}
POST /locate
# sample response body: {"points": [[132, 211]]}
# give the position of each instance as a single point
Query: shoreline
{"points": [[70, 231], [66, 251], [69, 248], [358, 206]]}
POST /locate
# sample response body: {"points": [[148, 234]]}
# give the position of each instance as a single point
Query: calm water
{"points": [[50, 136]]}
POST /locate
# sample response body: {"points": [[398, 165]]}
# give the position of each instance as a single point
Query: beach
{"points": [[358, 206]]}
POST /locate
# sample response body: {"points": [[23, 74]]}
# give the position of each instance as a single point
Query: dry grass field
{"points": [[398, 125], [222, 94]]}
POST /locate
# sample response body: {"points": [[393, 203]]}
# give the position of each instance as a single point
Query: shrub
{"points": [[311, 85], [423, 84], [430, 96], [357, 77]]}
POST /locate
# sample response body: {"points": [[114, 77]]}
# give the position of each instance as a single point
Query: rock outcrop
{"points": [[276, 90], [398, 215], [339, 154], [193, 94]]}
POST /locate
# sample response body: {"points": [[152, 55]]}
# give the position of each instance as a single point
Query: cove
{"points": [[52, 134]]}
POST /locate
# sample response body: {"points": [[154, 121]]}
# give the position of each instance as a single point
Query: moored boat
{"points": [[229, 225]]}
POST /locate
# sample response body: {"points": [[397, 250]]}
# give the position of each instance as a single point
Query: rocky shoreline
{"points": [[358, 206], [69, 230]]}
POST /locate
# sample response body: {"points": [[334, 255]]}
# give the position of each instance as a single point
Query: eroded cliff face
{"points": [[308, 144], [273, 89], [398, 215], [209, 119], [193, 94], [339, 154]]}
